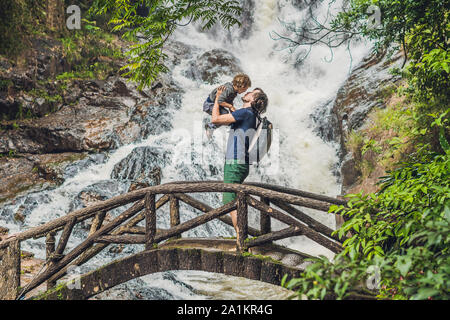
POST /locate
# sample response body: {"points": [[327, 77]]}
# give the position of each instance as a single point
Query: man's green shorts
{"points": [[233, 173]]}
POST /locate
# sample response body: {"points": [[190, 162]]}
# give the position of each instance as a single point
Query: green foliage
{"points": [[403, 230], [92, 53], [422, 28], [398, 18], [164, 16], [18, 19]]}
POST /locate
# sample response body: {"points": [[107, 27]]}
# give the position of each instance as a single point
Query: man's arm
{"points": [[218, 118], [227, 105]]}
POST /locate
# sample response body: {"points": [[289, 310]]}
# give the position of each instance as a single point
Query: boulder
{"points": [[363, 90], [349, 171], [99, 191], [142, 167], [213, 64], [29, 173]]}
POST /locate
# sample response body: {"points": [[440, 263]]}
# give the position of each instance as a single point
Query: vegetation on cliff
{"points": [[398, 245]]}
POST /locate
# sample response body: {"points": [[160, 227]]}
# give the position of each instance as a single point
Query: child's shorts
{"points": [[208, 107]]}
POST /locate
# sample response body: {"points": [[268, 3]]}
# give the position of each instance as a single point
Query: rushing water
{"points": [[298, 159]]}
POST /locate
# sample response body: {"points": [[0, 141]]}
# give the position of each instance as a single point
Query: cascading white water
{"points": [[298, 158]]}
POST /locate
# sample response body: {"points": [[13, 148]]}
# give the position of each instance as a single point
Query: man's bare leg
{"points": [[233, 215]]}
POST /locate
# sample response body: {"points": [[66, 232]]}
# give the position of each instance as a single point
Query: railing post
{"points": [[97, 221], [174, 214], [150, 220], [264, 219], [10, 271], [49, 251], [242, 221]]}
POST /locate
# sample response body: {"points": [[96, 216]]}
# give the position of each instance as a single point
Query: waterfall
{"points": [[298, 158]]}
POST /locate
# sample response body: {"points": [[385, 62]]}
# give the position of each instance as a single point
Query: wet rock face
{"points": [[142, 167], [96, 192], [30, 172], [361, 93], [213, 64], [349, 171], [302, 4], [363, 90], [108, 114], [357, 97], [176, 52], [80, 115], [88, 116]]}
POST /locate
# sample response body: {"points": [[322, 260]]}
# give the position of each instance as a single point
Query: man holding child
{"points": [[243, 125]]}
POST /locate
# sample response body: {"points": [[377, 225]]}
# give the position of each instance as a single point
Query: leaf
{"points": [[404, 264], [323, 293], [442, 140], [379, 250], [424, 293], [283, 280]]}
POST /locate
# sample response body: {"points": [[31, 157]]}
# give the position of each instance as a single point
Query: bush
{"points": [[403, 232]]}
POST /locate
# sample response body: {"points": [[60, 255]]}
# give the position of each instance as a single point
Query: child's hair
{"points": [[241, 81]]}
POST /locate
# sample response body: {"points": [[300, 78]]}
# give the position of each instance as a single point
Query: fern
{"points": [[146, 60]]}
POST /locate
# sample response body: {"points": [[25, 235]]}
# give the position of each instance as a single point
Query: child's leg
{"points": [[208, 106]]}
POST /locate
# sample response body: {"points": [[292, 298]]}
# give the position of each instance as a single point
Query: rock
{"points": [[49, 58], [362, 92], [302, 4], [326, 122], [19, 216], [349, 172], [106, 114], [90, 198], [212, 64], [142, 167], [29, 173], [116, 249], [141, 185], [120, 88], [177, 52], [99, 191], [16, 177]]}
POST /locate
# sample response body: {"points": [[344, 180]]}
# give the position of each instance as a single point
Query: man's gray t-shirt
{"points": [[228, 95]]}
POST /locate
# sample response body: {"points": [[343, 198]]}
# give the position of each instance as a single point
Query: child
{"points": [[240, 84]]}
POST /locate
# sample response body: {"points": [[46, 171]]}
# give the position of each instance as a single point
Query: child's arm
{"points": [[218, 118], [227, 105]]}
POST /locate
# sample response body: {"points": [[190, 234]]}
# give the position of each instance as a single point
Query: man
{"points": [[243, 125]]}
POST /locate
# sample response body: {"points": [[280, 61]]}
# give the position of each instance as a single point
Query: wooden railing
{"points": [[124, 228]]}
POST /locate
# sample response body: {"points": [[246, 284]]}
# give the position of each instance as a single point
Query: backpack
{"points": [[261, 141]]}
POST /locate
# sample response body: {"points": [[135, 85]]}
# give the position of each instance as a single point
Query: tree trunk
{"points": [[55, 15]]}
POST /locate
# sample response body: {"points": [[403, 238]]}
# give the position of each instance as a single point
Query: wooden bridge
{"points": [[254, 257]]}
